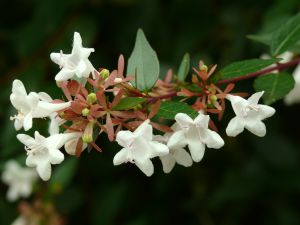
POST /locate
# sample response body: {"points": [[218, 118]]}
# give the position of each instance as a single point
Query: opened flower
{"points": [[294, 95], [20, 180], [76, 63], [176, 143], [31, 106], [42, 152], [249, 115], [196, 134], [139, 148]]}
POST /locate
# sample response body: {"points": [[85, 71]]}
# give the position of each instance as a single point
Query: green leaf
{"points": [[63, 174], [275, 85], [128, 103], [184, 67], [286, 36], [262, 38], [143, 64], [245, 67], [169, 109]]}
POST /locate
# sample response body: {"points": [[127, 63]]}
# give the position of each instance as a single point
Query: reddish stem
{"points": [[279, 67]]}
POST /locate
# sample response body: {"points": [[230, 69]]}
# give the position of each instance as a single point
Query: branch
{"points": [[279, 67]]}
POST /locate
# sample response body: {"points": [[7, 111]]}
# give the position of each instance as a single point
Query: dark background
{"points": [[251, 180]]}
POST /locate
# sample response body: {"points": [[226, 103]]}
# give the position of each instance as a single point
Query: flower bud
{"points": [[213, 98], [203, 68], [91, 98], [87, 136], [104, 73], [85, 112]]}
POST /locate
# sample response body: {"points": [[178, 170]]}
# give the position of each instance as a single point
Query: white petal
{"points": [[81, 69], [70, 146], [256, 127], [177, 140], [56, 58], [65, 74], [18, 124], [286, 57], [266, 111], [144, 130], [27, 123], [33, 99], [31, 161], [158, 149], [168, 163], [183, 120], [141, 149], [56, 156], [44, 170], [18, 88], [77, 41], [12, 194], [125, 138], [202, 120], [146, 167], [26, 139], [235, 127], [182, 157], [213, 139], [296, 74], [195, 144], [253, 99], [293, 97], [58, 140], [44, 97], [121, 157], [45, 109]]}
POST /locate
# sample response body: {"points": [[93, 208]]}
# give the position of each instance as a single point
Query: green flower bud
{"points": [[104, 73], [85, 112], [213, 98], [87, 138], [203, 68], [91, 98]]}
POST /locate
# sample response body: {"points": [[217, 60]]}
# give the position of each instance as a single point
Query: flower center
{"points": [[19, 116], [35, 150], [250, 108]]}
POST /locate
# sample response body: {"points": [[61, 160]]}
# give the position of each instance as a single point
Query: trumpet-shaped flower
{"points": [[20, 180], [294, 96], [176, 143], [139, 148], [249, 115], [197, 135], [76, 63], [31, 106], [42, 152]]}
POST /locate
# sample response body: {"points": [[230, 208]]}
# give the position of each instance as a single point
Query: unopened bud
{"points": [[203, 68], [85, 112], [104, 73], [91, 98], [213, 98], [87, 136]]}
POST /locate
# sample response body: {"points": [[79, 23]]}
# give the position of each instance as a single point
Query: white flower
{"points": [[70, 146], [76, 63], [31, 106], [249, 115], [139, 148], [42, 152], [196, 134], [20, 180], [294, 95], [176, 143], [21, 220]]}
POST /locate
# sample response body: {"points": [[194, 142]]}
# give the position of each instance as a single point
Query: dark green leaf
{"points": [[169, 109], [143, 63], [262, 38], [184, 67], [275, 85], [128, 103], [63, 174], [286, 36], [245, 67]]}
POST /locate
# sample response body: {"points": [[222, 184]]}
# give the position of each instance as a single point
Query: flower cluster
{"points": [[100, 101]]}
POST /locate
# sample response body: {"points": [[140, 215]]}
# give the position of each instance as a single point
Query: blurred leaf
{"points": [[129, 103], [275, 85], [184, 67], [63, 174], [143, 63], [169, 109], [262, 38], [245, 67], [286, 36]]}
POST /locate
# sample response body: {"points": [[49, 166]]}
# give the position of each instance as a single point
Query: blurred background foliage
{"points": [[249, 181]]}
